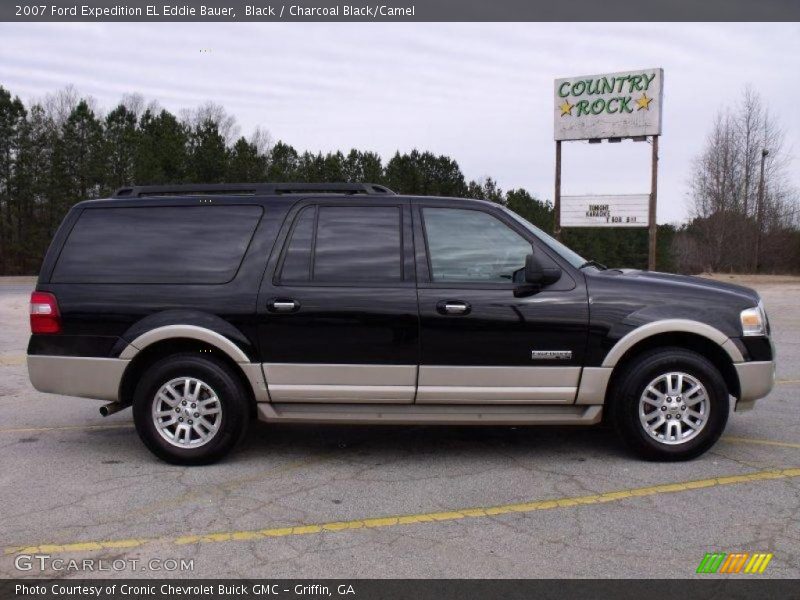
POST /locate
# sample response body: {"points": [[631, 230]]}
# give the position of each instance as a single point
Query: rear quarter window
{"points": [[169, 244]]}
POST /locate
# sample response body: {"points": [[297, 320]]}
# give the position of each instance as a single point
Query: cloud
{"points": [[481, 93]]}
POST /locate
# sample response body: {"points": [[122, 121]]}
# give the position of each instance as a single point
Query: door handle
{"points": [[283, 306], [453, 307]]}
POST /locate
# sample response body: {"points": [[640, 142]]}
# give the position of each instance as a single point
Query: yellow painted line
{"points": [[413, 519], [786, 381], [744, 440], [65, 428]]}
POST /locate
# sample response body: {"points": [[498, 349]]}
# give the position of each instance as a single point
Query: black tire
{"points": [[631, 384], [233, 400]]}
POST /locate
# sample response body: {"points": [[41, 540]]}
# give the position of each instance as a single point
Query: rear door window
{"points": [[345, 245], [163, 244]]}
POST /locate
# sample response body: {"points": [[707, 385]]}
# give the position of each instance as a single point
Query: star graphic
{"points": [[644, 102], [566, 108]]}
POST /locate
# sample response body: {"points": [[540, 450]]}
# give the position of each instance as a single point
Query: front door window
{"points": [[472, 246]]}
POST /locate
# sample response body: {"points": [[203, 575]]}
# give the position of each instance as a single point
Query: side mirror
{"points": [[536, 276]]}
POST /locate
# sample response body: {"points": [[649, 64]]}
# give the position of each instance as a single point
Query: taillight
{"points": [[45, 317]]}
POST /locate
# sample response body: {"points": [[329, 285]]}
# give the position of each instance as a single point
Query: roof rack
{"points": [[249, 189]]}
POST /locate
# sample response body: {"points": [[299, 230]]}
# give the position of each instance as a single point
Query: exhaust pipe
{"points": [[111, 408]]}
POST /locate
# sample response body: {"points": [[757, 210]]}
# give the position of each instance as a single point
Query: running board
{"points": [[429, 414]]}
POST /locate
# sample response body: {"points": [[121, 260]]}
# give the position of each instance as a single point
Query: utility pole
{"points": [[759, 208]]}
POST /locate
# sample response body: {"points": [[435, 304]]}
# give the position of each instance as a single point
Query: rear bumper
{"points": [[756, 380], [86, 377]]}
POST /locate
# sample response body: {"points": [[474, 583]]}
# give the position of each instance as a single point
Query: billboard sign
{"points": [[611, 105], [629, 210]]}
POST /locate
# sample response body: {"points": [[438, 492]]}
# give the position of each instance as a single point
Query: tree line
{"points": [[64, 149]]}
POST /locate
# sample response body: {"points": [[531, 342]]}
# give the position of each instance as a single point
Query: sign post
{"points": [[557, 197], [651, 225], [611, 106]]}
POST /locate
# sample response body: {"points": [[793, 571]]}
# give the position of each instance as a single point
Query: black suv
{"points": [[204, 306]]}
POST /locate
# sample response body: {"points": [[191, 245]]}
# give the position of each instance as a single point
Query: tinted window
{"points": [[358, 243], [297, 263], [189, 244], [472, 246]]}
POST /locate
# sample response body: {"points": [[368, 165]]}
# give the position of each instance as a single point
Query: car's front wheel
{"points": [[190, 409], [670, 404]]}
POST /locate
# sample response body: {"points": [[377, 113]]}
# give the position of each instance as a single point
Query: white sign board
{"points": [[605, 211], [623, 104]]}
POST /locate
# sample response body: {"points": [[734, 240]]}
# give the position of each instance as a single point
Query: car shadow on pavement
{"points": [[389, 442]]}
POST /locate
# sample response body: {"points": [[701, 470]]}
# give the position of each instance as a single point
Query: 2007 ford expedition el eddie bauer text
{"points": [[204, 306]]}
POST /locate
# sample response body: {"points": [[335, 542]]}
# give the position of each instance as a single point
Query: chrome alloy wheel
{"points": [[674, 408], [187, 412]]}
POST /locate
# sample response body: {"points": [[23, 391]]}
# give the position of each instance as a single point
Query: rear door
{"points": [[337, 314], [480, 343]]}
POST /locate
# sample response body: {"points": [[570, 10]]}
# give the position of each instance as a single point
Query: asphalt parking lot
{"points": [[334, 501]]}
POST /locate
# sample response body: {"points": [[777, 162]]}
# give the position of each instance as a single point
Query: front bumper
{"points": [[756, 379]]}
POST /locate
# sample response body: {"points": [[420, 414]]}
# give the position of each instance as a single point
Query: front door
{"points": [[480, 343], [337, 311]]}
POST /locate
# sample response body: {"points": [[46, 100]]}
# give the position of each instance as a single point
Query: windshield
{"points": [[573, 258]]}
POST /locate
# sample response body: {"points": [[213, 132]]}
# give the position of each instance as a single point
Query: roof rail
{"points": [[249, 189]]}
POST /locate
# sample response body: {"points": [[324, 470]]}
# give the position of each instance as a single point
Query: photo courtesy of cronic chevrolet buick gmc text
{"points": [[203, 307]]}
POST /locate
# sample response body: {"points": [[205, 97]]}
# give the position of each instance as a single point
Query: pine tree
{"points": [[12, 118], [208, 155], [161, 152], [121, 138], [245, 164]]}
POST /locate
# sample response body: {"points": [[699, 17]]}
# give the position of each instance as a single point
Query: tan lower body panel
{"points": [[341, 383], [594, 383], [255, 376], [86, 377], [430, 414], [756, 380], [497, 385]]}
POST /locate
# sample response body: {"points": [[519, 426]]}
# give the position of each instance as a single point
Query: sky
{"points": [[479, 93]]}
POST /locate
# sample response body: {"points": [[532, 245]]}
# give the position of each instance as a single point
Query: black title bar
{"points": [[398, 10], [397, 589]]}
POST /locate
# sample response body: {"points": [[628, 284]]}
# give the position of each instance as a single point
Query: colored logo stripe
{"points": [[758, 563], [711, 562], [720, 562]]}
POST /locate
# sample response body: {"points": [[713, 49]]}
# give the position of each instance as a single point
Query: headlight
{"points": [[754, 320]]}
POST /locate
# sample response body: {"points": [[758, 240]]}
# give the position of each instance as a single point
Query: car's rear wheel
{"points": [[670, 404], [189, 409]]}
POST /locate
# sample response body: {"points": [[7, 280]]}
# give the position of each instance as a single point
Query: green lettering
{"points": [[635, 83], [608, 106], [575, 91], [598, 106], [561, 89], [583, 107], [625, 105], [592, 91], [647, 80], [607, 87], [621, 82]]}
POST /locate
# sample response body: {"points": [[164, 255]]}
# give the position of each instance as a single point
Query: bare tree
{"points": [[59, 105], [262, 140], [215, 113], [738, 214]]}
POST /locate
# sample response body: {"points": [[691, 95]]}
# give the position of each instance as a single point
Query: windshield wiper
{"points": [[594, 263]]}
